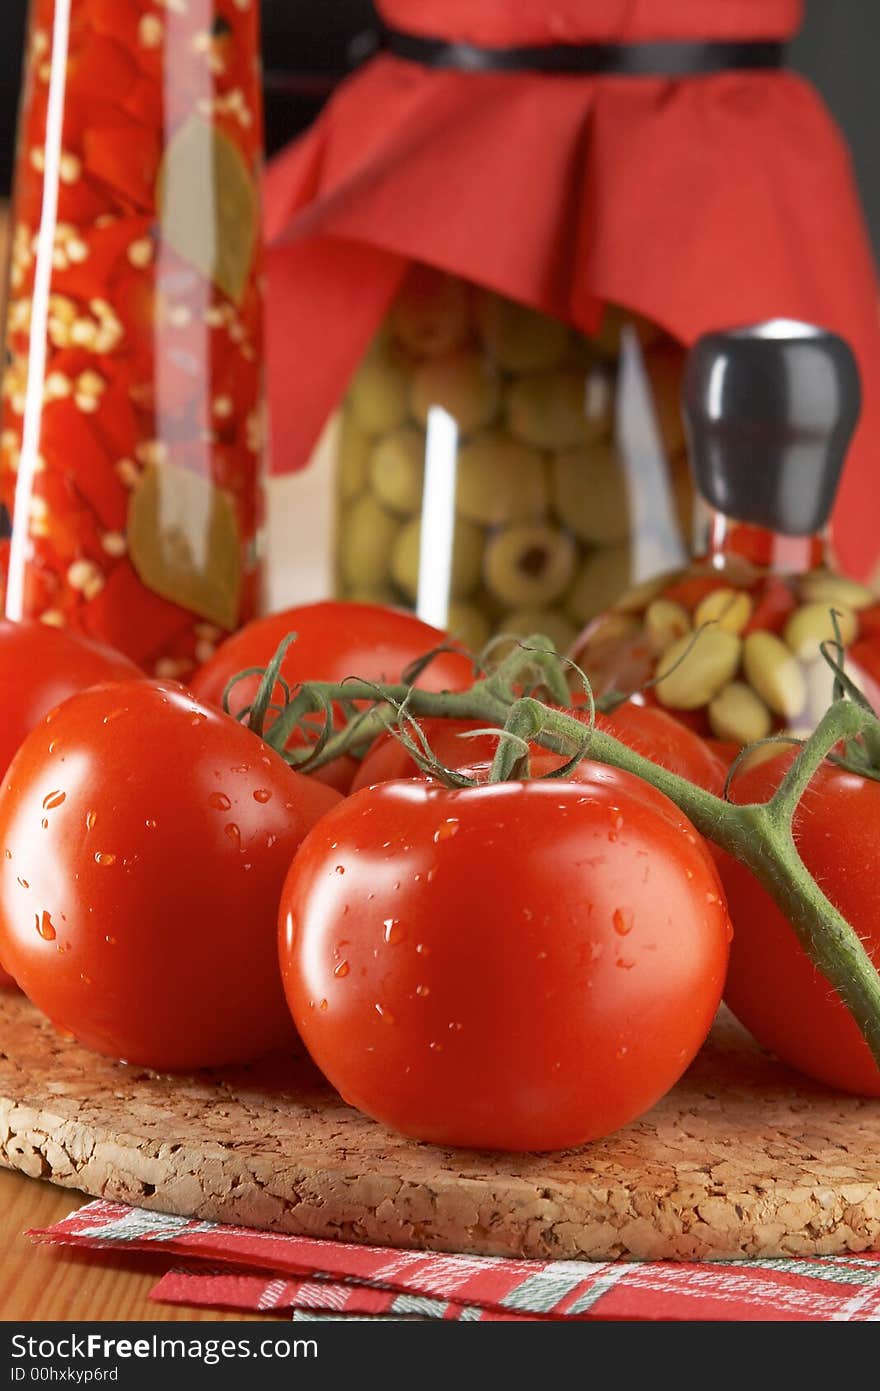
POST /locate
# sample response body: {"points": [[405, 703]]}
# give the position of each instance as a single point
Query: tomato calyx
{"points": [[759, 835]]}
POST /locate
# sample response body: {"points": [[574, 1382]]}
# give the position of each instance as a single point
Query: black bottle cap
{"points": [[770, 410]]}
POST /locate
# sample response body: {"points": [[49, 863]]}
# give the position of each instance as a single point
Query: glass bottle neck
{"points": [[769, 550]]}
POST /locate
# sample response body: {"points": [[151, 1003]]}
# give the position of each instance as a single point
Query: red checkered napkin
{"points": [[310, 1295], [260, 1270]]}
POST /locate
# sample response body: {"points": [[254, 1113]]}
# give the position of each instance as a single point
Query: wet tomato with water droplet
{"points": [[533, 981], [334, 640], [39, 667], [773, 988], [138, 920]]}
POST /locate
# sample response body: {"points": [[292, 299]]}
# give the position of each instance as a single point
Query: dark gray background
{"points": [[306, 43]]}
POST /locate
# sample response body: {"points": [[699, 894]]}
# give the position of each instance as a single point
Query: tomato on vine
{"points": [[334, 640], [772, 986], [144, 841], [520, 966], [39, 667]]}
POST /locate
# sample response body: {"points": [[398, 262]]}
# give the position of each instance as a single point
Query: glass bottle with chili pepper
{"points": [[733, 646], [133, 397]]}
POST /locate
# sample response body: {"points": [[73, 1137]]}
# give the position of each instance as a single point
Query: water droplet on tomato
{"points": [[262, 795], [53, 745], [455, 1027], [8, 854], [219, 801], [114, 715], [91, 820], [423, 990], [102, 857], [436, 1047], [712, 899], [342, 970], [150, 824], [422, 949], [621, 1052], [431, 874], [447, 829], [323, 1005], [624, 963], [198, 718], [45, 926], [394, 933], [689, 874], [622, 921], [23, 882], [45, 823], [542, 956], [340, 869], [384, 1013], [111, 941], [270, 841], [233, 833]]}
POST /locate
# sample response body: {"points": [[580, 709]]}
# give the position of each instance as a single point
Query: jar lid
{"points": [[770, 411]]}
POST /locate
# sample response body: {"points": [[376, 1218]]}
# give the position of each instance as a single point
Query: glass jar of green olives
{"points": [[499, 472]]}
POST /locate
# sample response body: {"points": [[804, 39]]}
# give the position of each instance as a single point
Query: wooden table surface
{"points": [[53, 1282]]}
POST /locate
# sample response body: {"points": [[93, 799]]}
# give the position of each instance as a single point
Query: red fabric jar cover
{"points": [[699, 202]]}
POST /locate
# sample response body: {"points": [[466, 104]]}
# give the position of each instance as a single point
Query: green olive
{"points": [[500, 480], [549, 410], [590, 494], [530, 565], [518, 338], [463, 384], [379, 392], [467, 559], [603, 576], [397, 469], [353, 453], [366, 535], [549, 622]]}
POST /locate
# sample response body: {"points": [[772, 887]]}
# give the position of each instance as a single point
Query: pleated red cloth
{"points": [[698, 202]]}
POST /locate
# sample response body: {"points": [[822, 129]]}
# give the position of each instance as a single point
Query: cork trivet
{"points": [[743, 1158]]}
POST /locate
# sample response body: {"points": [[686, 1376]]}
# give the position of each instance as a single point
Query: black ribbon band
{"points": [[671, 58]]}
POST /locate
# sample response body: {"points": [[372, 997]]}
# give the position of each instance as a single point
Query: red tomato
{"points": [[645, 729], [145, 842], [41, 666], [772, 987], [520, 966], [335, 640]]}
